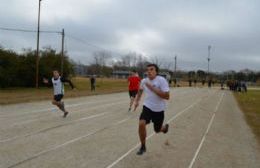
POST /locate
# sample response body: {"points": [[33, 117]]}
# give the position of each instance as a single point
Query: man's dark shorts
{"points": [[58, 97], [133, 93], [156, 117]]}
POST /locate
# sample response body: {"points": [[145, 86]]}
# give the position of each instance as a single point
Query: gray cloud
{"points": [[154, 28]]}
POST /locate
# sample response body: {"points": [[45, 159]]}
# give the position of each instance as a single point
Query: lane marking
{"points": [[206, 133], [92, 133], [52, 108], [68, 142], [57, 126], [76, 111], [2, 116], [151, 135]]}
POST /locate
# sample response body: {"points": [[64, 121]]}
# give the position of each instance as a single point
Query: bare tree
{"points": [[157, 61], [100, 60]]}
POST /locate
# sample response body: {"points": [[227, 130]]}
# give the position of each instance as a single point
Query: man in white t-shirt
{"points": [[156, 90]]}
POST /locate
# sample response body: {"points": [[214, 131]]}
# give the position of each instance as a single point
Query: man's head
{"points": [[56, 73], [152, 70], [133, 72]]}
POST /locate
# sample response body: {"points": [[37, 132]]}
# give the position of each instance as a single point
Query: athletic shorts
{"points": [[156, 117], [58, 97], [133, 93]]}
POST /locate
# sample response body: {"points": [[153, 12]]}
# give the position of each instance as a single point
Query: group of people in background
{"points": [[237, 86]]}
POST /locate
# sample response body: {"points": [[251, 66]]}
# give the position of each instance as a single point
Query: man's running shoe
{"points": [[166, 128], [141, 151], [65, 114]]}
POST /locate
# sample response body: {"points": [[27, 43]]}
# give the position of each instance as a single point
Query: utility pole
{"points": [[209, 47], [37, 50], [62, 50], [175, 70], [175, 64]]}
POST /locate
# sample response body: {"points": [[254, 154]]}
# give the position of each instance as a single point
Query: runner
{"points": [[58, 88], [156, 91], [133, 86]]}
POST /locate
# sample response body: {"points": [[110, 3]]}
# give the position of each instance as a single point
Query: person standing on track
{"points": [[133, 86], [156, 90], [93, 83], [58, 88]]}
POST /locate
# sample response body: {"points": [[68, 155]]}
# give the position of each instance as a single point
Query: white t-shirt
{"points": [[151, 100], [58, 87]]}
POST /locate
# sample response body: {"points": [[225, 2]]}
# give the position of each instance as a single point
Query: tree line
{"points": [[18, 70]]}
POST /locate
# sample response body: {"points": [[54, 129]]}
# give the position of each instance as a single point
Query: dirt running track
{"points": [[207, 129]]}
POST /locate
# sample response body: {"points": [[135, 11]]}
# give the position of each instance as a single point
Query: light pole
{"points": [[209, 47], [175, 64], [62, 50], [37, 50]]}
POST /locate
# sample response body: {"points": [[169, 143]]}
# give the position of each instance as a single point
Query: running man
{"points": [[58, 88], [133, 87], [156, 91]]}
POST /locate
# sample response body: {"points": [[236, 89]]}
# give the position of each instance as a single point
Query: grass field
{"points": [[250, 104], [103, 86]]}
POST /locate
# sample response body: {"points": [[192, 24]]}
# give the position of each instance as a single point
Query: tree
{"points": [[18, 70]]}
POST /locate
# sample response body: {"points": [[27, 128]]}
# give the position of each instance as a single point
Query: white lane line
{"points": [[137, 145], [58, 126], [68, 142], [76, 111], [205, 134], [53, 108]]}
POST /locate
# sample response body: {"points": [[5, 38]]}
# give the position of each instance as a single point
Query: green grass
{"points": [[103, 86], [250, 104]]}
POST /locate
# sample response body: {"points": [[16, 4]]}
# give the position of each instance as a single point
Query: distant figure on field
{"points": [[190, 82], [93, 83], [209, 83]]}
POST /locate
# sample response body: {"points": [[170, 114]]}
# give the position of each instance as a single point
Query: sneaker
{"points": [[141, 151], [166, 128], [65, 114]]}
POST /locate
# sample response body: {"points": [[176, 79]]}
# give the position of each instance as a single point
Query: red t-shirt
{"points": [[134, 82]]}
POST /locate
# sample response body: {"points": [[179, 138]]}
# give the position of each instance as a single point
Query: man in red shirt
{"points": [[133, 86]]}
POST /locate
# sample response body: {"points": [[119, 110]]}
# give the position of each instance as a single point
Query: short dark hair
{"points": [[134, 71], [155, 66]]}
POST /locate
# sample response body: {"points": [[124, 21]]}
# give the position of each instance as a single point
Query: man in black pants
{"points": [[156, 90], [58, 88]]}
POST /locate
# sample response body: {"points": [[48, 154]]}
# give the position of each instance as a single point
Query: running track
{"points": [[207, 129]]}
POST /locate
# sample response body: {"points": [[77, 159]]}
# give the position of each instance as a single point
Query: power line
{"points": [[59, 32], [29, 31]]}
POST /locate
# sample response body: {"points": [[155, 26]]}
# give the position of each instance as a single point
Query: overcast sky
{"points": [[155, 28]]}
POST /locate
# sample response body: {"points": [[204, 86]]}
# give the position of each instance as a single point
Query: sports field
{"points": [[207, 129]]}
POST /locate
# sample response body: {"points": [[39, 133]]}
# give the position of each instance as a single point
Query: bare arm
{"points": [[67, 81], [47, 82], [138, 98]]}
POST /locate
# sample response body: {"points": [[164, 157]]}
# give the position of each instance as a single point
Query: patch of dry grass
{"points": [[103, 86], [250, 104]]}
